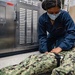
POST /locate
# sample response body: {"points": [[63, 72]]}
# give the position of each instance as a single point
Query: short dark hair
{"points": [[46, 4]]}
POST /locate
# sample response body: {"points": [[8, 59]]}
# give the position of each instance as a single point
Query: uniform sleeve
{"points": [[69, 39], [42, 35]]}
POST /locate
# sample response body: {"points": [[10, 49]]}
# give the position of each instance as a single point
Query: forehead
{"points": [[53, 9]]}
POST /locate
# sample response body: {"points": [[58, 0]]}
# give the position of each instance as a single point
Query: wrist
{"points": [[60, 48]]}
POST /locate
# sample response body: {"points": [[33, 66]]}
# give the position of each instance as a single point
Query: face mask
{"points": [[53, 16]]}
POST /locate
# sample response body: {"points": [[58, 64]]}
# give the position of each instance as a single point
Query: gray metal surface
{"points": [[7, 26], [27, 23], [18, 25]]}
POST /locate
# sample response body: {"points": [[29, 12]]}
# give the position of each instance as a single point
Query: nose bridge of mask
{"points": [[57, 14], [53, 16]]}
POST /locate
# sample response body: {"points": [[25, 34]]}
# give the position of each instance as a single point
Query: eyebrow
{"points": [[54, 12]]}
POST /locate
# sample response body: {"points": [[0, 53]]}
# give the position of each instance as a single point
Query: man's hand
{"points": [[56, 50]]}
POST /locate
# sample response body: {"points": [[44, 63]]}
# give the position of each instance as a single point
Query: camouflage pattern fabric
{"points": [[38, 64], [67, 66], [33, 65]]}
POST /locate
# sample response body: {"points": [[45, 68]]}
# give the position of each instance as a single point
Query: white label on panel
{"points": [[23, 1], [22, 26], [29, 17], [35, 14]]}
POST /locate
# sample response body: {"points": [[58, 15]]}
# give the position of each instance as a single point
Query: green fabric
{"points": [[38, 64]]}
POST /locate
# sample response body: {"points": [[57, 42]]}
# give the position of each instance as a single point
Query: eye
{"points": [[51, 13], [54, 12]]}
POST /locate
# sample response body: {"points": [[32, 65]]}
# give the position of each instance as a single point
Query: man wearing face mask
{"points": [[60, 27], [61, 37], [57, 47]]}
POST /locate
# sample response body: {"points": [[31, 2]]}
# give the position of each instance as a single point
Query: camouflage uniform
{"points": [[67, 66], [35, 65]]}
